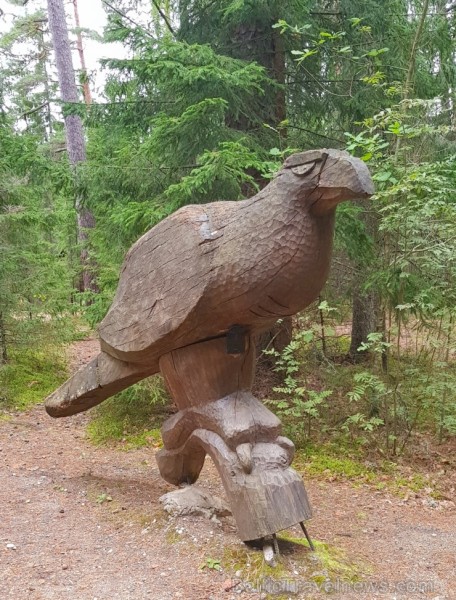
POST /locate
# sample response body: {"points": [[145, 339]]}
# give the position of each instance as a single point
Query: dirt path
{"points": [[84, 523]]}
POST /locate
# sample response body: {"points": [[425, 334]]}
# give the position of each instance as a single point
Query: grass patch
{"points": [[133, 417], [297, 566], [346, 468], [250, 563], [329, 462], [332, 562], [31, 375], [401, 485], [335, 462]]}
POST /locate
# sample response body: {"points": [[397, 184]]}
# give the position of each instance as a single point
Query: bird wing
{"points": [[162, 280]]}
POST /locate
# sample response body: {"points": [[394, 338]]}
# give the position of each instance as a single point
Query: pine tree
{"points": [[34, 216], [74, 133], [24, 52]]}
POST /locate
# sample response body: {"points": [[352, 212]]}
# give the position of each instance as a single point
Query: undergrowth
{"points": [[133, 417], [324, 396], [36, 359], [334, 462], [31, 375]]}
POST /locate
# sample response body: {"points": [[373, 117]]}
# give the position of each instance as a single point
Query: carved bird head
{"points": [[326, 177]]}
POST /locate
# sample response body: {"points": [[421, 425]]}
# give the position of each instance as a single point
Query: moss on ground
{"points": [[332, 462], [133, 418], [297, 568], [333, 562], [31, 375], [250, 564]]}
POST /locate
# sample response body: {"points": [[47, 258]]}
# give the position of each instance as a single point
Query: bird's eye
{"points": [[303, 170]]}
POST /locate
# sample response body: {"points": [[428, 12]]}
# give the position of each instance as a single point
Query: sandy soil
{"points": [[84, 523]]}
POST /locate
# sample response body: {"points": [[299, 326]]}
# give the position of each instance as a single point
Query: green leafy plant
{"points": [[298, 405], [102, 498], [212, 564]]}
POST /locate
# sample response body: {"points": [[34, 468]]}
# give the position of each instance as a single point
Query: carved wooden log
{"points": [[101, 378], [218, 415]]}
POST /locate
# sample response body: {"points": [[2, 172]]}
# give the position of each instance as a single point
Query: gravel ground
{"points": [[84, 523]]}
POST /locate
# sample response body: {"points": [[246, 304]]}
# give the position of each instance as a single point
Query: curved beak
{"points": [[344, 177]]}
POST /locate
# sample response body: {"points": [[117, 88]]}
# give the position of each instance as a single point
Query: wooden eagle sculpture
{"points": [[193, 294]]}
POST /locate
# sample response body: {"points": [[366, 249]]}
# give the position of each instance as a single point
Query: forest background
{"points": [[209, 99]]}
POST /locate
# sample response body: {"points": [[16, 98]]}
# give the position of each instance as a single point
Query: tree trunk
{"points": [[85, 79], [365, 307], [364, 321], [3, 348], [74, 132]]}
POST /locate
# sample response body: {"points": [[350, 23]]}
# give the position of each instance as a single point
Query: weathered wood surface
{"points": [[101, 378], [268, 498], [219, 416], [182, 370], [209, 267]]}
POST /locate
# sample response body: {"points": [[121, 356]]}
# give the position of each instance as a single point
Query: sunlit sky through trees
{"points": [[92, 16]]}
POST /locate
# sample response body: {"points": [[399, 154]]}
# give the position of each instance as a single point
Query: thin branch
{"points": [[412, 63], [414, 49], [319, 83], [124, 16], [299, 81], [403, 14], [139, 101], [33, 110], [164, 17], [322, 135]]}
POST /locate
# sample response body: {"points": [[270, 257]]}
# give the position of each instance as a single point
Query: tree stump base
{"points": [[219, 416]]}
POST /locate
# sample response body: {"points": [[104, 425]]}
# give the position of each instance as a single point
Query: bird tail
{"points": [[100, 379]]}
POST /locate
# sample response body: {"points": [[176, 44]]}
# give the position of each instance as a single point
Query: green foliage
{"points": [[297, 403], [212, 564], [35, 274], [24, 78], [133, 416], [29, 376], [368, 407], [221, 172]]}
